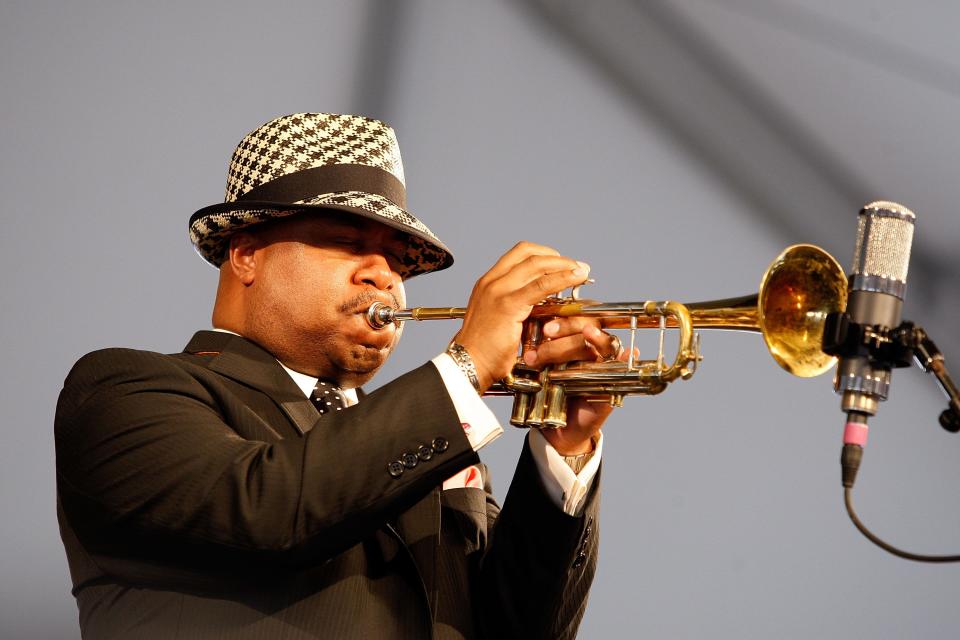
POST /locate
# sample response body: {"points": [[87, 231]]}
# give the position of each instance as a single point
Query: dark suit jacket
{"points": [[200, 497]]}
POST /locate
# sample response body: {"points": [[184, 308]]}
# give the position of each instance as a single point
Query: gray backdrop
{"points": [[677, 148]]}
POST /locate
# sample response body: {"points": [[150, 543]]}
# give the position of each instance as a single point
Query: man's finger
{"points": [[566, 349], [560, 327], [589, 344], [517, 254], [541, 283], [606, 345]]}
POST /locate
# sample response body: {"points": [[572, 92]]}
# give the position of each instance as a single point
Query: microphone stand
{"points": [[928, 357], [893, 348]]}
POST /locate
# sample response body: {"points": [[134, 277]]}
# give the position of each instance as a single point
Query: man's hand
{"points": [[567, 340], [503, 298]]}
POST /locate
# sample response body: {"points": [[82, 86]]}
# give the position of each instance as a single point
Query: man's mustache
{"points": [[363, 300]]}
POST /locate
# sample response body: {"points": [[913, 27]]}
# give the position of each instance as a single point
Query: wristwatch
{"points": [[578, 462], [463, 360]]}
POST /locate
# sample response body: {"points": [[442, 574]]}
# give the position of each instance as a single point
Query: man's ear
{"points": [[242, 257]]}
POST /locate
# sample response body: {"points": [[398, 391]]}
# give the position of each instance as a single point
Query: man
{"points": [[246, 488]]}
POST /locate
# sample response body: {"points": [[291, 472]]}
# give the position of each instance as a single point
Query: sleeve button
{"points": [[439, 445], [395, 469], [424, 452], [409, 460]]}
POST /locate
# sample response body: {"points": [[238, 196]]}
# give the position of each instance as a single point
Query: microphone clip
{"points": [[893, 348], [885, 347]]}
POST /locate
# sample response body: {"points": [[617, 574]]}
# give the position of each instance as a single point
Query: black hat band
{"points": [[329, 178]]}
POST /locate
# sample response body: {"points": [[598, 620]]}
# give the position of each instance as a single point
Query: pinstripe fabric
{"points": [[197, 499]]}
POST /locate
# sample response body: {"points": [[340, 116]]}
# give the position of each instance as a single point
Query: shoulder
{"points": [[118, 371], [115, 357], [118, 363]]}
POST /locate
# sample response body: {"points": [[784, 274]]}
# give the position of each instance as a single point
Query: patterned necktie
{"points": [[327, 397]]}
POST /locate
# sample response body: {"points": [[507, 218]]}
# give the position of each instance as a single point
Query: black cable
{"points": [[848, 501]]}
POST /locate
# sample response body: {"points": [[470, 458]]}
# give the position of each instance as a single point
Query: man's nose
{"points": [[376, 271]]}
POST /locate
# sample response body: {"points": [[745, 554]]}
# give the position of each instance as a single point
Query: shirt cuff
{"points": [[479, 424], [567, 489]]}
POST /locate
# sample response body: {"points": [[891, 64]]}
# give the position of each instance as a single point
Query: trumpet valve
{"points": [[555, 415], [524, 387], [521, 409], [539, 402]]}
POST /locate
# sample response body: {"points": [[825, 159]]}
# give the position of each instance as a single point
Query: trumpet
{"points": [[798, 290]]}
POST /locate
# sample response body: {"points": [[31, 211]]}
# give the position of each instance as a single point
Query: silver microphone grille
{"points": [[882, 255]]}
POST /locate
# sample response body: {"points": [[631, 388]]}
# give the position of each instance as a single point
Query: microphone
{"points": [[877, 286], [870, 340]]}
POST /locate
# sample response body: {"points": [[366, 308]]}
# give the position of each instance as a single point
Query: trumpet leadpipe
{"points": [[739, 315], [380, 315], [614, 315]]}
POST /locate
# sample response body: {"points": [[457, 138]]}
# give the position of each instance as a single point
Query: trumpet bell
{"points": [[799, 289]]}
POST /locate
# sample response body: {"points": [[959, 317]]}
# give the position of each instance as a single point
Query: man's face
{"points": [[315, 276]]}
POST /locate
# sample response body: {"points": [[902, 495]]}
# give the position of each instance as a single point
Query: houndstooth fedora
{"points": [[310, 161]]}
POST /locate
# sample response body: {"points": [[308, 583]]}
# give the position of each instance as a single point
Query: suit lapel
{"points": [[243, 361]]}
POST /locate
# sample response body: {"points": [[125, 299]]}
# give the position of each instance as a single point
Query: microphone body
{"points": [[878, 284]]}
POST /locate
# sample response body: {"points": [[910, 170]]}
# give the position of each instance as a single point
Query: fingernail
{"points": [[530, 357], [582, 269], [551, 328]]}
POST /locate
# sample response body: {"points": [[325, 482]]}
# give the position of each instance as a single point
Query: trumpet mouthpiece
{"points": [[380, 315]]}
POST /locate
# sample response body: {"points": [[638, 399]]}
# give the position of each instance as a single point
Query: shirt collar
{"points": [[306, 383]]}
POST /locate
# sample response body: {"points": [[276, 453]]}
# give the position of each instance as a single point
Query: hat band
{"points": [[329, 178]]}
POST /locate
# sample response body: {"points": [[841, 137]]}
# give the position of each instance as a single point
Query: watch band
{"points": [[578, 462], [463, 360]]}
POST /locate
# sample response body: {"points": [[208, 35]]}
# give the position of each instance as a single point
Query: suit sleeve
{"points": [[144, 450], [535, 576]]}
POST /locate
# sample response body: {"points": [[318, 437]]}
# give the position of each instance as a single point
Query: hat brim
{"points": [[212, 226]]}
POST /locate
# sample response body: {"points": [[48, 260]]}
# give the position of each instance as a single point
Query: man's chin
{"points": [[363, 364]]}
